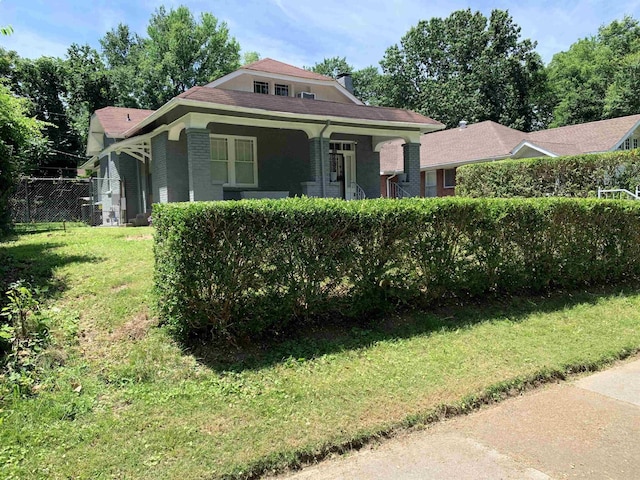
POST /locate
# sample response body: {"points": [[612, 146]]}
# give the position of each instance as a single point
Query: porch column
{"points": [[199, 162], [319, 159], [411, 153]]}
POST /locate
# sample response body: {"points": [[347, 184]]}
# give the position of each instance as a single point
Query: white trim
{"points": [[231, 159], [533, 146]]}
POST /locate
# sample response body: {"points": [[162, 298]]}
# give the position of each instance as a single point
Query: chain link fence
{"points": [[55, 201]]}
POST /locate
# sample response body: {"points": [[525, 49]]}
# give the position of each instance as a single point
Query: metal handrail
{"points": [[396, 191], [634, 196], [359, 192]]}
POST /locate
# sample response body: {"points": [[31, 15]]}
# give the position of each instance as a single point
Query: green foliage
{"points": [[20, 137], [597, 77], [575, 176], [366, 82], [44, 82], [244, 268], [22, 339], [470, 67], [182, 52], [250, 57]]}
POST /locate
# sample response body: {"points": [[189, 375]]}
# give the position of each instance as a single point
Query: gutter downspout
{"points": [[322, 182], [389, 183]]}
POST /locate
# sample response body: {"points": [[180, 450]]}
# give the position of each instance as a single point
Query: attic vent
{"points": [[307, 95], [462, 124], [128, 118]]}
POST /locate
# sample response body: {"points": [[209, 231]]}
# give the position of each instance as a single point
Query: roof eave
{"points": [[420, 126]]}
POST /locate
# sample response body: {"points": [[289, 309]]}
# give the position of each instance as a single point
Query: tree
{"points": [[20, 138], [597, 77], [182, 52], [365, 81], [43, 82], [88, 86], [467, 66], [250, 57], [122, 51]]}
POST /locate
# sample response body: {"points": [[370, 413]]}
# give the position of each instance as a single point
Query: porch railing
{"points": [[358, 192], [621, 192], [396, 191]]}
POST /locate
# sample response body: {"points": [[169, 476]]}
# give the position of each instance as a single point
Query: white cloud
{"points": [[32, 45]]}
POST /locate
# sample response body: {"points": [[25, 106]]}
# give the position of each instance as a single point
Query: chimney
{"points": [[128, 118], [462, 124], [345, 80]]}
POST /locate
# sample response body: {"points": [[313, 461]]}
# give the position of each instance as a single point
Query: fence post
{"points": [[26, 194]]}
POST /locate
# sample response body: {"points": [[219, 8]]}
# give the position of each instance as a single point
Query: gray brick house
{"points": [[267, 130]]}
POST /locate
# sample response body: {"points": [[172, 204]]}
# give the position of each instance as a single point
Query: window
{"points": [[450, 178], [629, 143], [261, 87], [282, 90], [233, 161], [430, 184]]}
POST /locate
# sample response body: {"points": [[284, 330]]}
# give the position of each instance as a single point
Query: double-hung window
{"points": [[281, 90], [234, 160], [449, 178], [261, 87]]}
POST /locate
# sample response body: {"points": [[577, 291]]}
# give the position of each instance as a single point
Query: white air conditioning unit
{"points": [[307, 95]]}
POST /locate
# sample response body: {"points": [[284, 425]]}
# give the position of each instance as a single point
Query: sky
{"points": [[300, 32]]}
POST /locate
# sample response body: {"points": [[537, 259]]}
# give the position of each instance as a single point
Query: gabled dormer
{"points": [[270, 77]]}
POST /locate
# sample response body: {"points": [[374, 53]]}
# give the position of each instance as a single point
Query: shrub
{"points": [[243, 268], [576, 176]]}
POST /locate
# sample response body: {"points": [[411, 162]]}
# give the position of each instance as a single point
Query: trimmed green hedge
{"points": [[243, 268], [576, 176]]}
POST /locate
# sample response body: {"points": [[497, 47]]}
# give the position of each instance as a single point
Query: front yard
{"points": [[120, 399]]}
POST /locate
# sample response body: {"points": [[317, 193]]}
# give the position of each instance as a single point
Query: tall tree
{"points": [[122, 51], [467, 66], [20, 138], [43, 82], [365, 81], [89, 86], [596, 77], [182, 52]]}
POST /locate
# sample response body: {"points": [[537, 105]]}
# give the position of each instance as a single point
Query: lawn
{"points": [[119, 398]]}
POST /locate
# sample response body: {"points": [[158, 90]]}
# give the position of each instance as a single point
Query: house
{"points": [[267, 130], [442, 152]]}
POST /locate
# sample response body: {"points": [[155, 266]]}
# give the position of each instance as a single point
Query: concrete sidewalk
{"points": [[588, 428]]}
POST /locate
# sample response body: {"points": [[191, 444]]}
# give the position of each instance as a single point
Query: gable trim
{"points": [[533, 146]]}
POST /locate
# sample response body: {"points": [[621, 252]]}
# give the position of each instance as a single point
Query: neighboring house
{"points": [[442, 152], [267, 130]]}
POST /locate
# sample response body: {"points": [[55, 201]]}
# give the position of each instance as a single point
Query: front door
{"points": [[349, 176], [343, 167]]}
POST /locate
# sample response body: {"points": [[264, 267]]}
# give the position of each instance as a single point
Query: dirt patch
{"points": [[119, 288], [136, 328], [138, 238]]}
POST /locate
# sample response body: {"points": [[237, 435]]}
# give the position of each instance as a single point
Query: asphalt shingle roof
{"points": [[303, 106], [268, 65], [117, 120]]}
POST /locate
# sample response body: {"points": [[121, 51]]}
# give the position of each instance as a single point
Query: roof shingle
{"points": [[478, 141], [269, 65], [303, 106], [117, 120]]}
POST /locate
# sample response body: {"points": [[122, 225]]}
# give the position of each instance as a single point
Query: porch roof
{"points": [[301, 107]]}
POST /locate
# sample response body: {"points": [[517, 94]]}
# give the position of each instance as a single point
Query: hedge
{"points": [[575, 176], [245, 268]]}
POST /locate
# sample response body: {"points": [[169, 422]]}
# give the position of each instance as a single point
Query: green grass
{"points": [[148, 408]]}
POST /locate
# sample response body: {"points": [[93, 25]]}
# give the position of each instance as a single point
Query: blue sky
{"points": [[300, 32]]}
